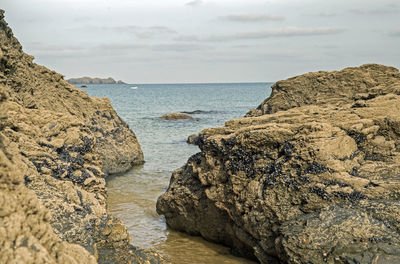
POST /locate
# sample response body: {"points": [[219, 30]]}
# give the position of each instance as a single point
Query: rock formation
{"points": [[57, 144], [192, 139], [310, 176], [88, 80], [176, 116]]}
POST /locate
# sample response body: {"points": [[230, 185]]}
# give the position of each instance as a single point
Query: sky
{"points": [[203, 41]]}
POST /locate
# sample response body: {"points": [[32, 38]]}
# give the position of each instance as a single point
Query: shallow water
{"points": [[133, 195]]}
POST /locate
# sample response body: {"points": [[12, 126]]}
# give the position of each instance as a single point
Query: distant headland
{"points": [[89, 80]]}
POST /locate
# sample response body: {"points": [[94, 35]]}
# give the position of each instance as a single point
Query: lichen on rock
{"points": [[57, 145], [310, 176]]}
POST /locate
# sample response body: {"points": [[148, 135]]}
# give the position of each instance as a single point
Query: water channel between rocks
{"points": [[132, 196]]}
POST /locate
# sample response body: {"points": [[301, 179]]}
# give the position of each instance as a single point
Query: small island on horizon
{"points": [[89, 80]]}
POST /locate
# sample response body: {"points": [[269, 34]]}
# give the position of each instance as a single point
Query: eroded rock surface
{"points": [[56, 146], [310, 176], [352, 85]]}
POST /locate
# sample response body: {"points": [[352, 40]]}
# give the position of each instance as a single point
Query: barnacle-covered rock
{"points": [[310, 176], [57, 144]]}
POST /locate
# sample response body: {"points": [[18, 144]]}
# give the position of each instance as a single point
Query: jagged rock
{"points": [[56, 146], [176, 116], [311, 176]]}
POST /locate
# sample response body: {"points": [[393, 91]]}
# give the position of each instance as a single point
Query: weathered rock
{"points": [[349, 86], [56, 146], [192, 139], [176, 116], [26, 235], [305, 180]]}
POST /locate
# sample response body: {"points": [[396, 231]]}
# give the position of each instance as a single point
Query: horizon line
{"points": [[184, 83]]}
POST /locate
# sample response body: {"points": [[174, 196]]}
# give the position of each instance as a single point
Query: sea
{"points": [[132, 195]]}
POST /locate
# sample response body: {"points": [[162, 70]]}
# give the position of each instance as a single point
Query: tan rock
{"points": [[176, 116], [192, 139], [56, 146], [310, 176]]}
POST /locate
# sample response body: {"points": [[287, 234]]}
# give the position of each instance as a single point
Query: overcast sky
{"points": [[169, 41]]}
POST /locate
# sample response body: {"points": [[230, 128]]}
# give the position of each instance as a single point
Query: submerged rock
{"points": [[176, 116], [57, 144], [310, 176], [194, 112]]}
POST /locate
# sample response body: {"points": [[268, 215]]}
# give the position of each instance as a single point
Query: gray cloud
{"points": [[246, 55], [131, 48], [321, 14], [243, 46], [329, 46], [384, 11], [144, 32], [250, 18], [82, 19], [39, 49], [140, 32], [181, 47], [102, 50], [194, 3], [357, 11], [111, 49], [121, 46], [201, 41], [283, 32], [36, 45], [395, 33], [187, 38], [326, 14], [388, 9]]}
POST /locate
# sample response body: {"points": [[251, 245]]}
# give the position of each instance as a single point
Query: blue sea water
{"points": [[132, 195]]}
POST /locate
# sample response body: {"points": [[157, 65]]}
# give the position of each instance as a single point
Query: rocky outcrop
{"points": [[57, 144], [176, 116], [349, 86], [89, 80], [192, 139], [310, 176]]}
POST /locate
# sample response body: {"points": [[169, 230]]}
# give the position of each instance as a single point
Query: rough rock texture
{"points": [[192, 139], [26, 235], [311, 176], [56, 145], [176, 116], [339, 88]]}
